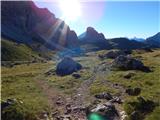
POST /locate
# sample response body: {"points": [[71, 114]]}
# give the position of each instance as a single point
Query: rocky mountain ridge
{"points": [[24, 22]]}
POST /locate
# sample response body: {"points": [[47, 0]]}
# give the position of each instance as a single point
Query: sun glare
{"points": [[71, 9]]}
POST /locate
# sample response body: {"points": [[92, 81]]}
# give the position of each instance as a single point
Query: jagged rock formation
{"points": [[24, 22], [92, 37]]}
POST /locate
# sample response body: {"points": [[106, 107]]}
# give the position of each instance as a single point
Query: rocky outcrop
{"points": [[129, 63], [67, 66]]}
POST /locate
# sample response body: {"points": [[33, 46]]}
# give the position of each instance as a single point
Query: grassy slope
{"points": [[148, 82], [68, 84], [12, 51], [19, 82]]}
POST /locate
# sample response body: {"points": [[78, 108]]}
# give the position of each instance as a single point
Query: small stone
{"points": [[128, 75], [107, 96], [75, 75], [116, 100]]}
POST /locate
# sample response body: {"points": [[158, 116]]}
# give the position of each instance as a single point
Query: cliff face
{"points": [[24, 22]]}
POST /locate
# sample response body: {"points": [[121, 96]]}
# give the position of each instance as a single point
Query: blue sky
{"points": [[115, 18]]}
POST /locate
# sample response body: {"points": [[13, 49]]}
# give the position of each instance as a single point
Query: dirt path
{"points": [[83, 92], [81, 95], [52, 94], [100, 71]]}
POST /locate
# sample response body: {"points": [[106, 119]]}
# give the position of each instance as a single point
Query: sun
{"points": [[71, 9]]}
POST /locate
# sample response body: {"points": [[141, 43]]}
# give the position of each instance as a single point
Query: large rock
{"points": [[129, 63], [67, 66]]}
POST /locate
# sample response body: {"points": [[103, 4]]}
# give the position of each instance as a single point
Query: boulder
{"points": [[129, 63], [67, 66]]}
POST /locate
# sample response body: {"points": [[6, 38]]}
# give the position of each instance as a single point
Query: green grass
{"points": [[68, 84], [97, 87], [12, 51], [19, 82], [148, 82], [155, 115]]}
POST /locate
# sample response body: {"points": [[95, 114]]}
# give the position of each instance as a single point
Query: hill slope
{"points": [[12, 51], [154, 40]]}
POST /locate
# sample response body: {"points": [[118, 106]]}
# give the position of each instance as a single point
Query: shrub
{"points": [[140, 107], [17, 111]]}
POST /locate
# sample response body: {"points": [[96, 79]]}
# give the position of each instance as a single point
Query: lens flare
{"points": [[71, 9]]}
